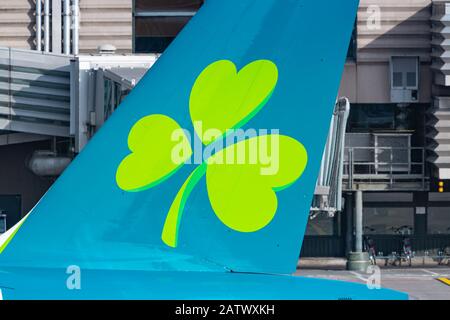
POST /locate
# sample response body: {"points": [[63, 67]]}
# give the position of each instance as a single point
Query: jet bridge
{"points": [[328, 192], [34, 92], [45, 95]]}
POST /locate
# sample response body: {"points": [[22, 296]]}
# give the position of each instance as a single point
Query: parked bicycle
{"points": [[369, 246], [444, 254], [406, 254]]}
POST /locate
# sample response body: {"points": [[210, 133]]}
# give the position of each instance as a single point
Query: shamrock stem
{"points": [[170, 231]]}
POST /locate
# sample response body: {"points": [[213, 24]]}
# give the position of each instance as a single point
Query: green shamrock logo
{"points": [[241, 190]]}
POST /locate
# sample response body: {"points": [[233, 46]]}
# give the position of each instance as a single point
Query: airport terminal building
{"points": [[65, 65]]}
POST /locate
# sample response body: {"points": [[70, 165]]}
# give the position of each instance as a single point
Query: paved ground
{"points": [[419, 282]]}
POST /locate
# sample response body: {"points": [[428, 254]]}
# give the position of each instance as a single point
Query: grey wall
{"points": [[404, 29], [369, 82], [105, 22]]}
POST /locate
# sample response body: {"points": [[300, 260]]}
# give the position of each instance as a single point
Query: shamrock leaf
{"points": [[242, 193], [223, 98], [150, 161]]}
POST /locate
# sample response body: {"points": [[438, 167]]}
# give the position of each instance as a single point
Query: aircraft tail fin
{"points": [[263, 72]]}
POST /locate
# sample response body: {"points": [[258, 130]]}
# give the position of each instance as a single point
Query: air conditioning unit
{"points": [[404, 79]]}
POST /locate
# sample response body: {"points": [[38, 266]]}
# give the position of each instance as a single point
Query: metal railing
{"points": [[384, 168]]}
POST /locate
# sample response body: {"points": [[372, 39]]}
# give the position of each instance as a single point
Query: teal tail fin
{"points": [[211, 161]]}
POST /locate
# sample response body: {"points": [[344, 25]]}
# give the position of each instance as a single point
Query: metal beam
{"points": [[16, 138]]}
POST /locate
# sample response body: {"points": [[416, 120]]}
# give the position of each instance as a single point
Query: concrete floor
{"points": [[419, 282]]}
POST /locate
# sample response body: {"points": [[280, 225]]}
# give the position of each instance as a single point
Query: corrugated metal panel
{"points": [[17, 24], [441, 43], [404, 29], [101, 22], [34, 92], [323, 246], [438, 136], [105, 22]]}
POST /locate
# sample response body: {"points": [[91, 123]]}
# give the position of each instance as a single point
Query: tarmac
{"points": [[424, 280]]}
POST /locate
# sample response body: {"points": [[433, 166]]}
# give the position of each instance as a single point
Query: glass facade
{"points": [[157, 22], [384, 220], [372, 117], [438, 220], [113, 96]]}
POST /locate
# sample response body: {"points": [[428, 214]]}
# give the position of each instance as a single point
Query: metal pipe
{"points": [[66, 22], [47, 25], [76, 25], [56, 22], [38, 25], [358, 221]]}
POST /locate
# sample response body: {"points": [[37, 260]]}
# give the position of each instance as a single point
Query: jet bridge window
{"points": [[114, 94], [157, 22]]}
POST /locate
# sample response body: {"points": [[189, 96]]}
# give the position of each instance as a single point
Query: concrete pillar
{"points": [[358, 221], [348, 223], [358, 260]]}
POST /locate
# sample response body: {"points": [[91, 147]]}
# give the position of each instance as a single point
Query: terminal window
{"points": [[438, 220], [372, 117], [157, 22], [384, 220]]}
